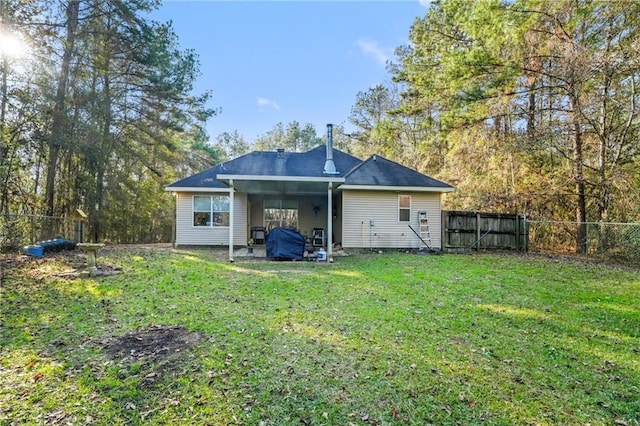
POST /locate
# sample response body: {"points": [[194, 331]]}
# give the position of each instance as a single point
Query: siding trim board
{"points": [[280, 178], [395, 188], [207, 190]]}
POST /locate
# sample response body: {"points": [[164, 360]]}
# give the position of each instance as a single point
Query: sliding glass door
{"points": [[281, 213]]}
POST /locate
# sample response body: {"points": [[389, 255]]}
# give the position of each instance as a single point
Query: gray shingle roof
{"points": [[375, 170], [300, 164], [379, 171], [205, 179]]}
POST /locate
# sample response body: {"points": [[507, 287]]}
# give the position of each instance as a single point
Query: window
{"points": [[404, 208], [210, 210], [281, 213]]}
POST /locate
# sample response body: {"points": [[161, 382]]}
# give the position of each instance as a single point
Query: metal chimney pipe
{"points": [[329, 165]]}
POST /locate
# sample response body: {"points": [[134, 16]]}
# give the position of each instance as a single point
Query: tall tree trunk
{"points": [[3, 101], [105, 148], [578, 176], [603, 185], [57, 125], [4, 149]]}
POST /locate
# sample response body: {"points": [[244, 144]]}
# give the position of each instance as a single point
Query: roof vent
{"points": [[329, 165], [280, 152]]}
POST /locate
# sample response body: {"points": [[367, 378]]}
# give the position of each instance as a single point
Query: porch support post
{"points": [[231, 214], [330, 223]]}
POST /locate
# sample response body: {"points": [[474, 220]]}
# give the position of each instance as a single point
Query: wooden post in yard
{"points": [[478, 231], [517, 227]]}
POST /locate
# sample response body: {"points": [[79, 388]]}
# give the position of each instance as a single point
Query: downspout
{"points": [[231, 213], [330, 223]]}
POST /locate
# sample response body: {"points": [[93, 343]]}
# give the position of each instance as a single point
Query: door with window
{"points": [[282, 213]]}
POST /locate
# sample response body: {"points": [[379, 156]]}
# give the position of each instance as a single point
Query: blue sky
{"points": [[279, 61]]}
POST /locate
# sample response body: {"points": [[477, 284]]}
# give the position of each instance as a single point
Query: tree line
{"points": [[99, 115], [527, 106]]}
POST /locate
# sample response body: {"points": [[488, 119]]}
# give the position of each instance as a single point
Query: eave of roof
{"points": [[397, 188], [194, 189], [223, 177]]}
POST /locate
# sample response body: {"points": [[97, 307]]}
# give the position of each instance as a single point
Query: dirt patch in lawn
{"points": [[150, 343], [158, 350]]}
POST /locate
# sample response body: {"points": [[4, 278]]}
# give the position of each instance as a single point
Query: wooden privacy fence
{"points": [[465, 231]]}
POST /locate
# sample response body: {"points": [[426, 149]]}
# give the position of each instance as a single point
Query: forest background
{"points": [[524, 106]]}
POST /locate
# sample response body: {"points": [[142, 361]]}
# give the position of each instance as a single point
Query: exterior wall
{"points": [[359, 207], [187, 234], [307, 218]]}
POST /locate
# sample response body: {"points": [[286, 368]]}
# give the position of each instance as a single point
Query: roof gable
{"points": [[379, 171]]}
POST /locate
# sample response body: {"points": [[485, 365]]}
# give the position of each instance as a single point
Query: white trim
{"points": [[231, 214], [281, 178], [193, 189], [396, 188], [329, 222]]}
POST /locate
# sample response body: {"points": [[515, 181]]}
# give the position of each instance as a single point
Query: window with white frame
{"points": [[210, 210], [404, 208]]}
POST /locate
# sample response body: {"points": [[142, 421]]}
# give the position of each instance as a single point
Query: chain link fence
{"points": [[17, 231], [608, 240], [614, 240]]}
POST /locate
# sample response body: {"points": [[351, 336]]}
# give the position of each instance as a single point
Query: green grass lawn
{"points": [[369, 340]]}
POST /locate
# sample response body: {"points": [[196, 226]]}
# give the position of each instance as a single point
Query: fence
{"points": [[465, 231], [461, 232], [17, 231], [619, 240]]}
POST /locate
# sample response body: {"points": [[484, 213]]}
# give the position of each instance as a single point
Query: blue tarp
{"points": [[48, 246], [285, 244]]}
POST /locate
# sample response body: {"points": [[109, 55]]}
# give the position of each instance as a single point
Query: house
{"points": [[326, 194]]}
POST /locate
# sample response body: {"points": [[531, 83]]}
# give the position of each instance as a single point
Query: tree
{"points": [[542, 78], [291, 138], [107, 115], [367, 114], [17, 97], [59, 119], [232, 144]]}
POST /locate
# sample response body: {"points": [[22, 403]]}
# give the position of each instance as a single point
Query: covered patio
{"points": [[306, 204]]}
